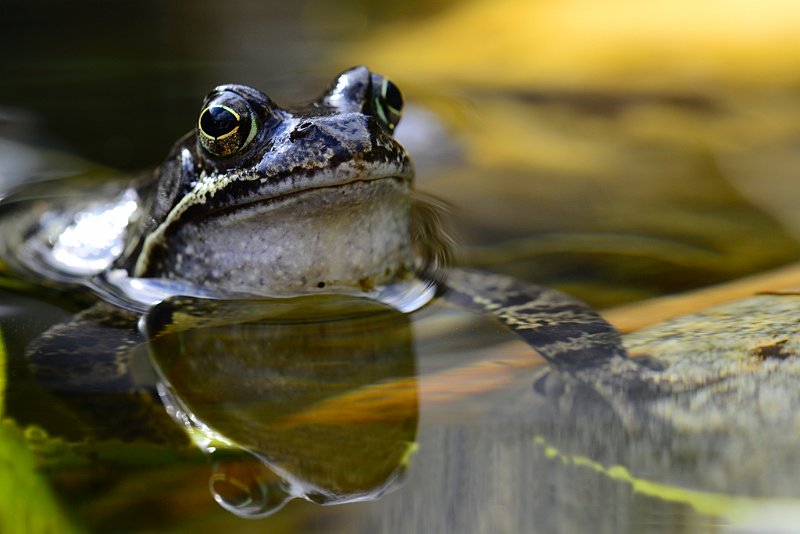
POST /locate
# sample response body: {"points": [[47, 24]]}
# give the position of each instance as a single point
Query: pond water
{"points": [[438, 421], [368, 420]]}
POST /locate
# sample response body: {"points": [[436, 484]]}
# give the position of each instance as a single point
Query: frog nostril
{"points": [[300, 131]]}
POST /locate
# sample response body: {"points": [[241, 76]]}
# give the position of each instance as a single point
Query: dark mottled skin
{"points": [[95, 363], [562, 329]]}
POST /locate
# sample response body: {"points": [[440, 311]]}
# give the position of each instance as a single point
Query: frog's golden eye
{"points": [[387, 101], [227, 124]]}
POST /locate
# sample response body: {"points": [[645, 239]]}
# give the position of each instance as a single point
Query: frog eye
{"points": [[387, 101], [226, 125]]}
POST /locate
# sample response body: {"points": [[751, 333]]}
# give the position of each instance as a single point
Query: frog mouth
{"points": [[345, 193], [400, 181], [247, 191]]}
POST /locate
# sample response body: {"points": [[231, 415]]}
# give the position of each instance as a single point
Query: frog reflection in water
{"points": [[259, 200]]}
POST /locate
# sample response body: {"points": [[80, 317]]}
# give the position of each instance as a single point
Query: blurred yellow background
{"points": [[611, 44]]}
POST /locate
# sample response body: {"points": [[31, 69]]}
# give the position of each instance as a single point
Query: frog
{"points": [[260, 201], [237, 201]]}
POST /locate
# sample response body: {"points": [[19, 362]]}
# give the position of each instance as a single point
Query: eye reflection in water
{"points": [[289, 395], [247, 487]]}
